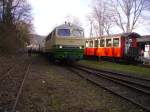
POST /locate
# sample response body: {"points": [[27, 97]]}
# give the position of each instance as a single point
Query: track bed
{"points": [[52, 87]]}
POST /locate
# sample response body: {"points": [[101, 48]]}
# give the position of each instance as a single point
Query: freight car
{"points": [[65, 42], [119, 46]]}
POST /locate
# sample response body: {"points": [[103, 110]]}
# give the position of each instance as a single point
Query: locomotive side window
{"points": [[49, 37], [54, 33], [116, 42], [108, 43], [102, 43], [91, 43], [96, 43], [63, 32]]}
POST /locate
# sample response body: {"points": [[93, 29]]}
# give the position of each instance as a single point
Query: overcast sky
{"points": [[49, 13]]}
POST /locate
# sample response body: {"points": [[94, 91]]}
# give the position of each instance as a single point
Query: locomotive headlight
{"points": [[60, 47], [81, 47]]}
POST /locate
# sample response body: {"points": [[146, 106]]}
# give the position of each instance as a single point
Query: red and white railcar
{"points": [[117, 46]]}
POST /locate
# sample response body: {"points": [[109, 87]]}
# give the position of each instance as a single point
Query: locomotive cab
{"points": [[69, 37]]}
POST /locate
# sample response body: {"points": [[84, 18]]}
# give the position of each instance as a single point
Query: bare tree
{"points": [[98, 15], [15, 20], [127, 13], [73, 20], [90, 19], [103, 17], [13, 11], [22, 12], [24, 33]]}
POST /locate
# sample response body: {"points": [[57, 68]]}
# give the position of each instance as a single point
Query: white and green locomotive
{"points": [[65, 42]]}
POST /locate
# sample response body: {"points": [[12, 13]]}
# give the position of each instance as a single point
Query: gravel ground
{"points": [[5, 63], [52, 88], [10, 85], [8, 61]]}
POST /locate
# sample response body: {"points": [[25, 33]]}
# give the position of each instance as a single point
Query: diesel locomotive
{"points": [[65, 42]]}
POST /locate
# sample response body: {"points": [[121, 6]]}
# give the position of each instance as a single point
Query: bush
{"points": [[12, 39]]}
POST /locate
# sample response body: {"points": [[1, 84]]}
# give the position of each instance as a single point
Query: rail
{"points": [[131, 88]]}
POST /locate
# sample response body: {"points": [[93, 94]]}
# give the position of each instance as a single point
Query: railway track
{"points": [[11, 84], [20, 89], [131, 88]]}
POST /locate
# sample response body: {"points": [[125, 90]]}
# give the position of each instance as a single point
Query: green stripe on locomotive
{"points": [[70, 54]]}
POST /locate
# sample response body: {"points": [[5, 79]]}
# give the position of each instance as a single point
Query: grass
{"points": [[117, 67]]}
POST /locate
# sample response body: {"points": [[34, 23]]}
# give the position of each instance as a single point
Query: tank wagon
{"points": [[65, 42], [119, 46]]}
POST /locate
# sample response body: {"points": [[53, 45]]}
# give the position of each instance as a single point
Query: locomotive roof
{"points": [[68, 25]]}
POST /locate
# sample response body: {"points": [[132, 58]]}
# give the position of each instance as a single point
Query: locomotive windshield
{"points": [[77, 33], [63, 32]]}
